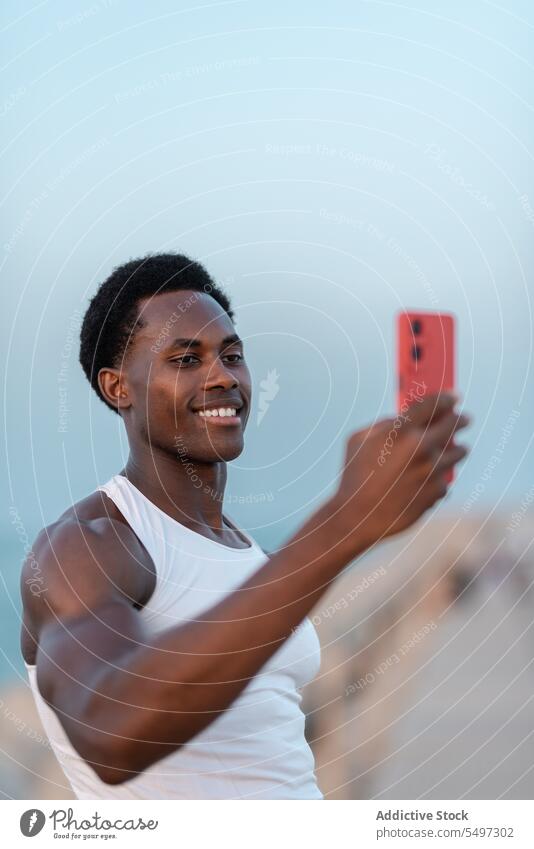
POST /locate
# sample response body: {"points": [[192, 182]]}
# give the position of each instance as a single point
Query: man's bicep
{"points": [[74, 652], [73, 662], [85, 619]]}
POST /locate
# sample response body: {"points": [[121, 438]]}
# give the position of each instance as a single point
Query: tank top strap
{"points": [[145, 523], [156, 529]]}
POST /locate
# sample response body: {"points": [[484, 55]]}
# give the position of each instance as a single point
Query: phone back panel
{"points": [[425, 355]]}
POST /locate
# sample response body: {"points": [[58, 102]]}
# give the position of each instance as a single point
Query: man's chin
{"points": [[218, 450], [227, 453]]}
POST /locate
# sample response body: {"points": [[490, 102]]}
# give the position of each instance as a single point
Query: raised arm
{"points": [[127, 700]]}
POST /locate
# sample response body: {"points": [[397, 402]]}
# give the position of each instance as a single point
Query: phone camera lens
{"points": [[416, 353], [416, 327]]}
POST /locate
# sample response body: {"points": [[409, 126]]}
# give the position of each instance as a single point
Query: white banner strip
{"points": [[269, 824]]}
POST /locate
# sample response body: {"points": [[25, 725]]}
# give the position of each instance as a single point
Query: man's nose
{"points": [[219, 376]]}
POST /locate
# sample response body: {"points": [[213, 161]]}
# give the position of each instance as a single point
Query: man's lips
{"points": [[220, 421], [222, 415]]}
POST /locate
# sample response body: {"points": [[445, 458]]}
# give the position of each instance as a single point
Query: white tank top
{"points": [[256, 749]]}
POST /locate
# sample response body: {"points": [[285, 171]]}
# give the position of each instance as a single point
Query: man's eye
{"points": [[237, 357], [181, 360]]}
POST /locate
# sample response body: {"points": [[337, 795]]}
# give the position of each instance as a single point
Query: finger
{"points": [[427, 496], [449, 458], [434, 489], [440, 461], [431, 408], [441, 433], [454, 454]]}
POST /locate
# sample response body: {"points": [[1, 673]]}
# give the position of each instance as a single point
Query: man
{"points": [[168, 651]]}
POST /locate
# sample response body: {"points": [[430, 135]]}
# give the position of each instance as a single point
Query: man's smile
{"points": [[221, 411], [219, 415]]}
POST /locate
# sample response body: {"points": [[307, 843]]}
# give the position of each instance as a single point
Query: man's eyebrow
{"points": [[197, 343]]}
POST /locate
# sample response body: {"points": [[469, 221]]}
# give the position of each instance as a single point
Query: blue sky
{"points": [[329, 164]]}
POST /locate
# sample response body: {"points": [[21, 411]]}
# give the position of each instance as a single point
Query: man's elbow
{"points": [[119, 756], [119, 764], [111, 764], [113, 775]]}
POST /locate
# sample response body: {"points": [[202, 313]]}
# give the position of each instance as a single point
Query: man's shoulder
{"points": [[96, 505], [89, 551]]}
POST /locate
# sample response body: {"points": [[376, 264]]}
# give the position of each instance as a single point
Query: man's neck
{"points": [[189, 491]]}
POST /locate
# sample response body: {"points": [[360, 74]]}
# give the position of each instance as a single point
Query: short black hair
{"points": [[112, 316]]}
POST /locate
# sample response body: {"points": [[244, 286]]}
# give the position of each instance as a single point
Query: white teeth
{"points": [[222, 412]]}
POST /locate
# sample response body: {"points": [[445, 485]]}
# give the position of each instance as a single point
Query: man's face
{"points": [[185, 362]]}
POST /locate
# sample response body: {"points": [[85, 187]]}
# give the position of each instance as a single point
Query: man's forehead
{"points": [[186, 311]]}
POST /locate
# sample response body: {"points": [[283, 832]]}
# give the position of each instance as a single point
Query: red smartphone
{"points": [[426, 356]]}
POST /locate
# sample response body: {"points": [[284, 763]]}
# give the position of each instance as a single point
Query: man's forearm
{"points": [[170, 690]]}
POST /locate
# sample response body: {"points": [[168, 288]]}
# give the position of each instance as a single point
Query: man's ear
{"points": [[113, 386]]}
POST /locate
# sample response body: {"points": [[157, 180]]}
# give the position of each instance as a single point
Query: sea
{"points": [[11, 663]]}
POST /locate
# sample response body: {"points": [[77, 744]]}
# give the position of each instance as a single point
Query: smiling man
{"points": [[166, 651]]}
